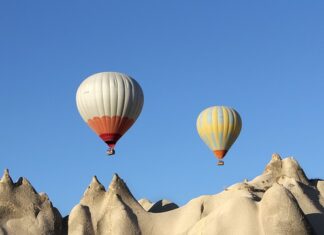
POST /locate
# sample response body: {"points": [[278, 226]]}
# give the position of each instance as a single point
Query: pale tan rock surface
{"points": [[157, 207], [280, 201], [25, 212]]}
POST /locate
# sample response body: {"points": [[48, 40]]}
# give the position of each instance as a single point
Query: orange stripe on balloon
{"points": [[110, 125], [220, 154]]}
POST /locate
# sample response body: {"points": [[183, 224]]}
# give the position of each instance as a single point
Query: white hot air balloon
{"points": [[110, 103]]}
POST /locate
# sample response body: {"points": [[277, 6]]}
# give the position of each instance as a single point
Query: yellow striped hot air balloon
{"points": [[110, 103], [219, 127]]}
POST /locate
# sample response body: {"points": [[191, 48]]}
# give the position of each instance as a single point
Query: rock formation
{"points": [[25, 212], [159, 206], [282, 200]]}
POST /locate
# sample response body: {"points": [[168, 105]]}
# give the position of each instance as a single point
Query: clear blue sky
{"points": [[264, 58]]}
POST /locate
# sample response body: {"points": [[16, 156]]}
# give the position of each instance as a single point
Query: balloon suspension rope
{"points": [[111, 151]]}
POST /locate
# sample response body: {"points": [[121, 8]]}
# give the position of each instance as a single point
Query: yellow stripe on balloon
{"points": [[226, 124], [206, 129]]}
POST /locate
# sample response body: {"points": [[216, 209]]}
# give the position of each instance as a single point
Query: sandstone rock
{"points": [[24, 211], [282, 200]]}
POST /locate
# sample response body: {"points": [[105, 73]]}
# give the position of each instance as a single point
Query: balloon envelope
{"points": [[109, 102], [219, 127]]}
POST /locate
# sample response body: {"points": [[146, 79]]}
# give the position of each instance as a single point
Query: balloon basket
{"points": [[110, 151], [220, 163]]}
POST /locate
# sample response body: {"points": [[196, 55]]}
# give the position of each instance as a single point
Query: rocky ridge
{"points": [[24, 211], [282, 200]]}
